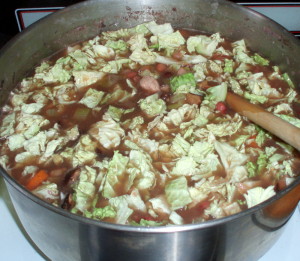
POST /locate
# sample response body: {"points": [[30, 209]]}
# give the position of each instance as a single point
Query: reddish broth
{"points": [[64, 175]]}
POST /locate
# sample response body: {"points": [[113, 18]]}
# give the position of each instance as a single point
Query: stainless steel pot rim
{"points": [[141, 229]]}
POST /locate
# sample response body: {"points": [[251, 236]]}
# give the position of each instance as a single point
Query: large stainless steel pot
{"points": [[64, 236]]}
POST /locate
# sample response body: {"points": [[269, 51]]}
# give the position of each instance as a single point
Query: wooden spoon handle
{"points": [[275, 125]]}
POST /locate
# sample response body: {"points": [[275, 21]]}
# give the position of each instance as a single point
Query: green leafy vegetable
{"points": [[291, 119], [260, 60], [287, 78], [228, 66], [147, 223], [101, 213], [117, 45], [262, 162], [183, 82], [217, 93], [252, 169], [152, 105], [177, 193], [255, 98]]}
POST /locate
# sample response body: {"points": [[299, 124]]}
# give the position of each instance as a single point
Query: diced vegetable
{"points": [[260, 60], [81, 114], [221, 107], [183, 82], [37, 179]]}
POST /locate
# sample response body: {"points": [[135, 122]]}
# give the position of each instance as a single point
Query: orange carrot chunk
{"points": [[37, 179]]}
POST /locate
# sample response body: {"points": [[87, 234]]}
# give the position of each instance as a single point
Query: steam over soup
{"points": [[132, 127]]}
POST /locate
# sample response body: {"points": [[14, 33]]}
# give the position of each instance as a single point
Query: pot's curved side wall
{"points": [[64, 239]]}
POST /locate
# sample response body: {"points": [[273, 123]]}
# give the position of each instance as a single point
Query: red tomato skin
{"points": [[221, 107]]}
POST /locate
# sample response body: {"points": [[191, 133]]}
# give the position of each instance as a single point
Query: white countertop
{"points": [[15, 245]]}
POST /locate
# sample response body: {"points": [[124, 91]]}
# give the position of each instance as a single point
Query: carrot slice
{"points": [[37, 179]]}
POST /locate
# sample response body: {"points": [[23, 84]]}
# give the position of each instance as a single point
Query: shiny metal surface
{"points": [[64, 236]]}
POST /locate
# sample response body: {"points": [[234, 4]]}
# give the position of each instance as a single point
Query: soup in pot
{"points": [[132, 127]]}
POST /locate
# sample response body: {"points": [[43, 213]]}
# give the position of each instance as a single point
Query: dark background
{"points": [[8, 22]]}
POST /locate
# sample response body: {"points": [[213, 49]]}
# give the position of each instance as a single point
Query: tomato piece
{"points": [[160, 67], [137, 78], [253, 143], [221, 107], [203, 205], [148, 218], [185, 33], [219, 56], [177, 55], [131, 74]]}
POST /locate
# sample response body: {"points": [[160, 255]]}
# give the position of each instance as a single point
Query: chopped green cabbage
{"points": [[291, 119], [241, 53], [85, 78], [137, 42], [114, 66], [143, 163], [202, 44], [159, 29], [177, 193], [287, 78], [103, 51], [255, 98], [143, 57], [217, 93], [117, 45], [183, 83], [55, 74], [115, 113], [260, 60], [257, 195], [101, 213], [185, 166], [252, 169], [180, 146], [173, 40], [107, 132], [147, 223], [228, 66], [116, 168], [120, 205], [16, 141], [230, 156], [92, 98], [152, 105]]}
